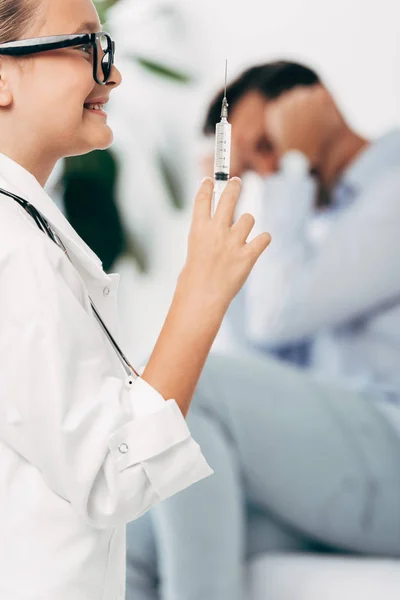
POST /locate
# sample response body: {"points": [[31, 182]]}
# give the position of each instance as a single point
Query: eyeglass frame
{"points": [[54, 42]]}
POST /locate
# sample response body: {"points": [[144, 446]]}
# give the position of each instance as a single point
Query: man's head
{"points": [[248, 97]]}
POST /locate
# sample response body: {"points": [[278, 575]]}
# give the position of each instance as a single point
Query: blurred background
{"points": [[133, 203], [172, 56]]}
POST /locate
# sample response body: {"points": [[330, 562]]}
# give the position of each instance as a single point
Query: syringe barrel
{"points": [[222, 161], [222, 150]]}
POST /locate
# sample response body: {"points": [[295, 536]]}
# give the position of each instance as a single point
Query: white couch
{"points": [[316, 577]]}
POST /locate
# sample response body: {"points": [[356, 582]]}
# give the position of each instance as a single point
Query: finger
{"points": [[314, 93], [297, 96], [225, 211], [323, 96], [260, 243], [320, 89], [203, 200], [243, 227]]}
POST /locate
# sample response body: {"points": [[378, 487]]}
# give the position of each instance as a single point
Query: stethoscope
{"points": [[44, 226]]}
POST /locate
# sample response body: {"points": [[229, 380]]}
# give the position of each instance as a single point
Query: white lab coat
{"points": [[80, 453]]}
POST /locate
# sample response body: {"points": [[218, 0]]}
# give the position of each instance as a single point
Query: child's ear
{"points": [[5, 90]]}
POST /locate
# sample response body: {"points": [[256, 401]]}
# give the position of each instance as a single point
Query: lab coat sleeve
{"points": [[294, 291], [66, 412]]}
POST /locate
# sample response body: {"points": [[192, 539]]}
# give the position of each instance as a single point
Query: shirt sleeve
{"points": [[295, 290], [65, 410]]}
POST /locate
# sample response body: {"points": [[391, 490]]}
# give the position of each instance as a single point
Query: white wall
{"points": [[354, 44]]}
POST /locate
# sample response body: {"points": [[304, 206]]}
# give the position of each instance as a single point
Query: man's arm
{"points": [[293, 292]]}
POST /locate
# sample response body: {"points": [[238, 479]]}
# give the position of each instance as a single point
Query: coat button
{"points": [[129, 381], [106, 291], [123, 448]]}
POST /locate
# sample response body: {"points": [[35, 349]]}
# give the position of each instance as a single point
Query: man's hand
{"points": [[303, 119]]}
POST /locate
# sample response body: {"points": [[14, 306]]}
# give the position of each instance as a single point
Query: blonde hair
{"points": [[15, 18]]}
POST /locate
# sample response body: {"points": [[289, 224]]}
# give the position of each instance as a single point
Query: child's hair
{"points": [[15, 18]]}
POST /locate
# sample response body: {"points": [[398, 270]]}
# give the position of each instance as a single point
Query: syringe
{"points": [[222, 159]]}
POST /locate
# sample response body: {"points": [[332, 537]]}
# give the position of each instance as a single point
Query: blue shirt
{"points": [[333, 276]]}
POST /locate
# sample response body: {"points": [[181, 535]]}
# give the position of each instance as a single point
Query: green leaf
{"points": [[171, 182], [163, 71], [102, 8], [91, 206]]}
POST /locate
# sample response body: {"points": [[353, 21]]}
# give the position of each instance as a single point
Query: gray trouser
{"points": [[297, 463]]}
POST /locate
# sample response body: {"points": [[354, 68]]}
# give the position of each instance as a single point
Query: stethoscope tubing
{"points": [[45, 227]]}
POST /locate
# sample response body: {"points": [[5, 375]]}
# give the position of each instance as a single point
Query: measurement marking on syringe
{"points": [[222, 151]]}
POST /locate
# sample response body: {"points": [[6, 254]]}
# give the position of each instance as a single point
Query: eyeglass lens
{"points": [[106, 56]]}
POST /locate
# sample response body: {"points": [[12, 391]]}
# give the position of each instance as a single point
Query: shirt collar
{"points": [[382, 154], [17, 179]]}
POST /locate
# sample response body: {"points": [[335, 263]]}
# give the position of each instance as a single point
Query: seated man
{"points": [[302, 459], [306, 190]]}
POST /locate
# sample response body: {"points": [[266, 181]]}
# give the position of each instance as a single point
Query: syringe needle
{"points": [[225, 105]]}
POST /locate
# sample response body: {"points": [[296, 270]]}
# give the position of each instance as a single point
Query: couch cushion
{"points": [[313, 577]]}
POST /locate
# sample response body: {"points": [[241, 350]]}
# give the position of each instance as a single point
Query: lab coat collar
{"points": [[16, 179]]}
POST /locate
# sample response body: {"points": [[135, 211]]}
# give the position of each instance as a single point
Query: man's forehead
{"points": [[249, 107]]}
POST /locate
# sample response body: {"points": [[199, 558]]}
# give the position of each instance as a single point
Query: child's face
{"points": [[48, 90]]}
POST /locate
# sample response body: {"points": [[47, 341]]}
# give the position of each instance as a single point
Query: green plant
{"points": [[90, 183], [102, 8]]}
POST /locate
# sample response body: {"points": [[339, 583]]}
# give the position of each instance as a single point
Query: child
{"points": [[84, 446]]}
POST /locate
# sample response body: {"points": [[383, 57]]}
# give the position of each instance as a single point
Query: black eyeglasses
{"points": [[100, 44]]}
